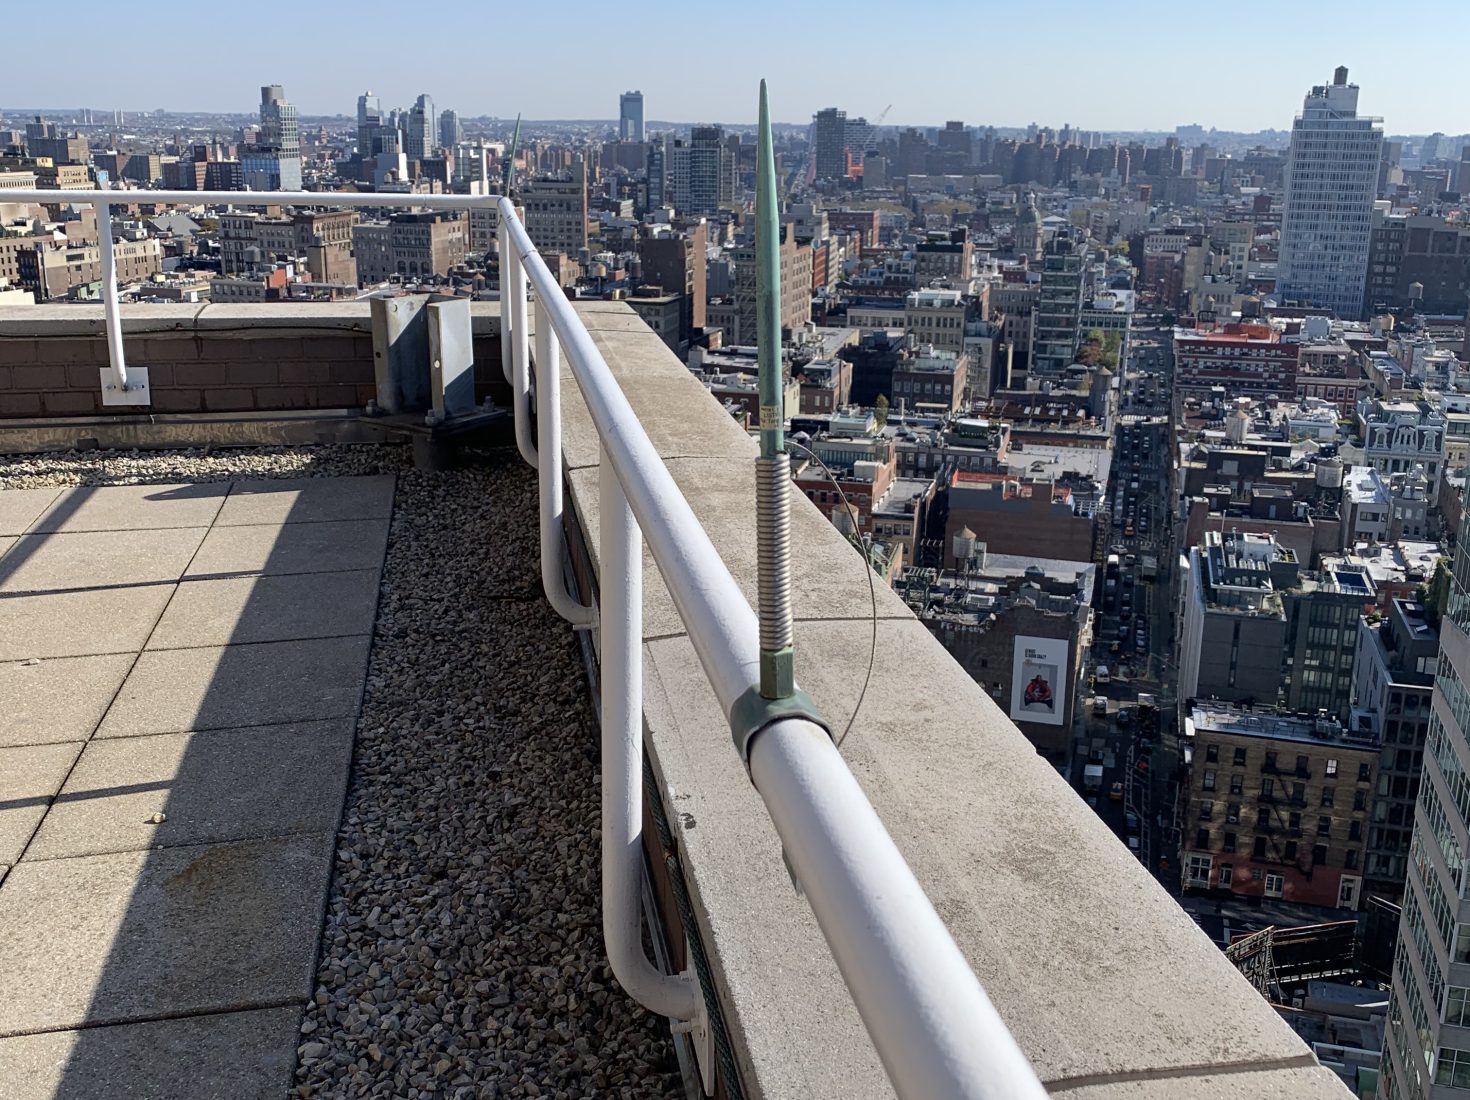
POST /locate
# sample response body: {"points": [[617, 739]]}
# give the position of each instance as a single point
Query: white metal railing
{"points": [[934, 1028]]}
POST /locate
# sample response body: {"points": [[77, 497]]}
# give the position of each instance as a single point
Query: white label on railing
{"points": [[771, 418]]}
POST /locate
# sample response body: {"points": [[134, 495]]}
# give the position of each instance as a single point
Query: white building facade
{"points": [[1331, 182]]}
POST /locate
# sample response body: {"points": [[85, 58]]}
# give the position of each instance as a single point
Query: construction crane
{"points": [[879, 120]]}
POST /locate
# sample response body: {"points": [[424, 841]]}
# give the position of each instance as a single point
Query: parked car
{"points": [[1116, 793]]}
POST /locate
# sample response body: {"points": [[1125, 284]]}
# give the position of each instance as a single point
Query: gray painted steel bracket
{"points": [[753, 712]]}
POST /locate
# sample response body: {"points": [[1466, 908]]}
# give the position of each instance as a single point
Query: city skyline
{"points": [[1109, 94]]}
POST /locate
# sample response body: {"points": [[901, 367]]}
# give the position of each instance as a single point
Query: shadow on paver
{"points": [[165, 916]]}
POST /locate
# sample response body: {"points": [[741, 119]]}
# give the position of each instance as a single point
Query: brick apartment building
{"points": [[51, 269], [1248, 360], [556, 213], [323, 237], [862, 222], [930, 381], [410, 245], [675, 262], [1014, 516], [1278, 806]]}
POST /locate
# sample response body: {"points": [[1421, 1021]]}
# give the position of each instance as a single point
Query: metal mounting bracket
{"points": [[753, 712], [136, 392], [701, 1035]]}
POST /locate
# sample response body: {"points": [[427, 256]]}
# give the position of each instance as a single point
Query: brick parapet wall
{"points": [[218, 359]]}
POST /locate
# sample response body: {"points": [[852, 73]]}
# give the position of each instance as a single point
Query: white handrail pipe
{"points": [[115, 357], [130, 197], [502, 252], [548, 451], [936, 1031], [913, 988], [513, 314], [720, 623], [621, 675]]}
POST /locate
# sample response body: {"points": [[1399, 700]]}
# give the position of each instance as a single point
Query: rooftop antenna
{"points": [[510, 160], [773, 467]]}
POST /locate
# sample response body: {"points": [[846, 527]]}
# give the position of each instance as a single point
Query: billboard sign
{"points": [[1039, 680]]}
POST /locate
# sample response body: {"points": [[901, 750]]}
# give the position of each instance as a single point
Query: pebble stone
{"points": [[461, 954]]}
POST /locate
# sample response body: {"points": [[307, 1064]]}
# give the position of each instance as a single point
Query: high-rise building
{"points": [[1331, 182], [630, 116], [369, 122], [1393, 675], [657, 171], [1427, 1048], [829, 143], [1063, 278], [704, 172], [273, 161], [451, 132], [419, 141]]}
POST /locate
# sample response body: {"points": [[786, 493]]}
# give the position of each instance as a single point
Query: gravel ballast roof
{"points": [[462, 953]]}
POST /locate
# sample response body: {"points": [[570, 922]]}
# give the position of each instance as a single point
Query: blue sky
{"points": [[1140, 64]]}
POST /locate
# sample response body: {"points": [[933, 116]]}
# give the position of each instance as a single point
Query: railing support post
{"points": [[119, 385], [503, 248], [548, 451], [513, 279], [620, 664]]}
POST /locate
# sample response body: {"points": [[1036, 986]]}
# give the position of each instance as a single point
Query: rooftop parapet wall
{"points": [[1108, 986], [210, 359]]}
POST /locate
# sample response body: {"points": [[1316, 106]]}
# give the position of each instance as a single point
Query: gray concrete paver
{"points": [[308, 500], [110, 938], [79, 624], [29, 778], [20, 507], [133, 507], [217, 687], [268, 609], [230, 1056], [43, 702], [98, 559], [212, 787], [292, 548]]}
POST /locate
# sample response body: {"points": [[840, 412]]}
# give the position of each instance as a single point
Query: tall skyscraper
{"points": [[703, 171], [273, 162], [369, 121], [419, 139], [657, 175], [829, 143], [630, 116], [1427, 1048], [1331, 182], [451, 133]]}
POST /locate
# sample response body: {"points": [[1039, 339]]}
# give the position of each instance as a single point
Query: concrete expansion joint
{"points": [[160, 1017]]}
